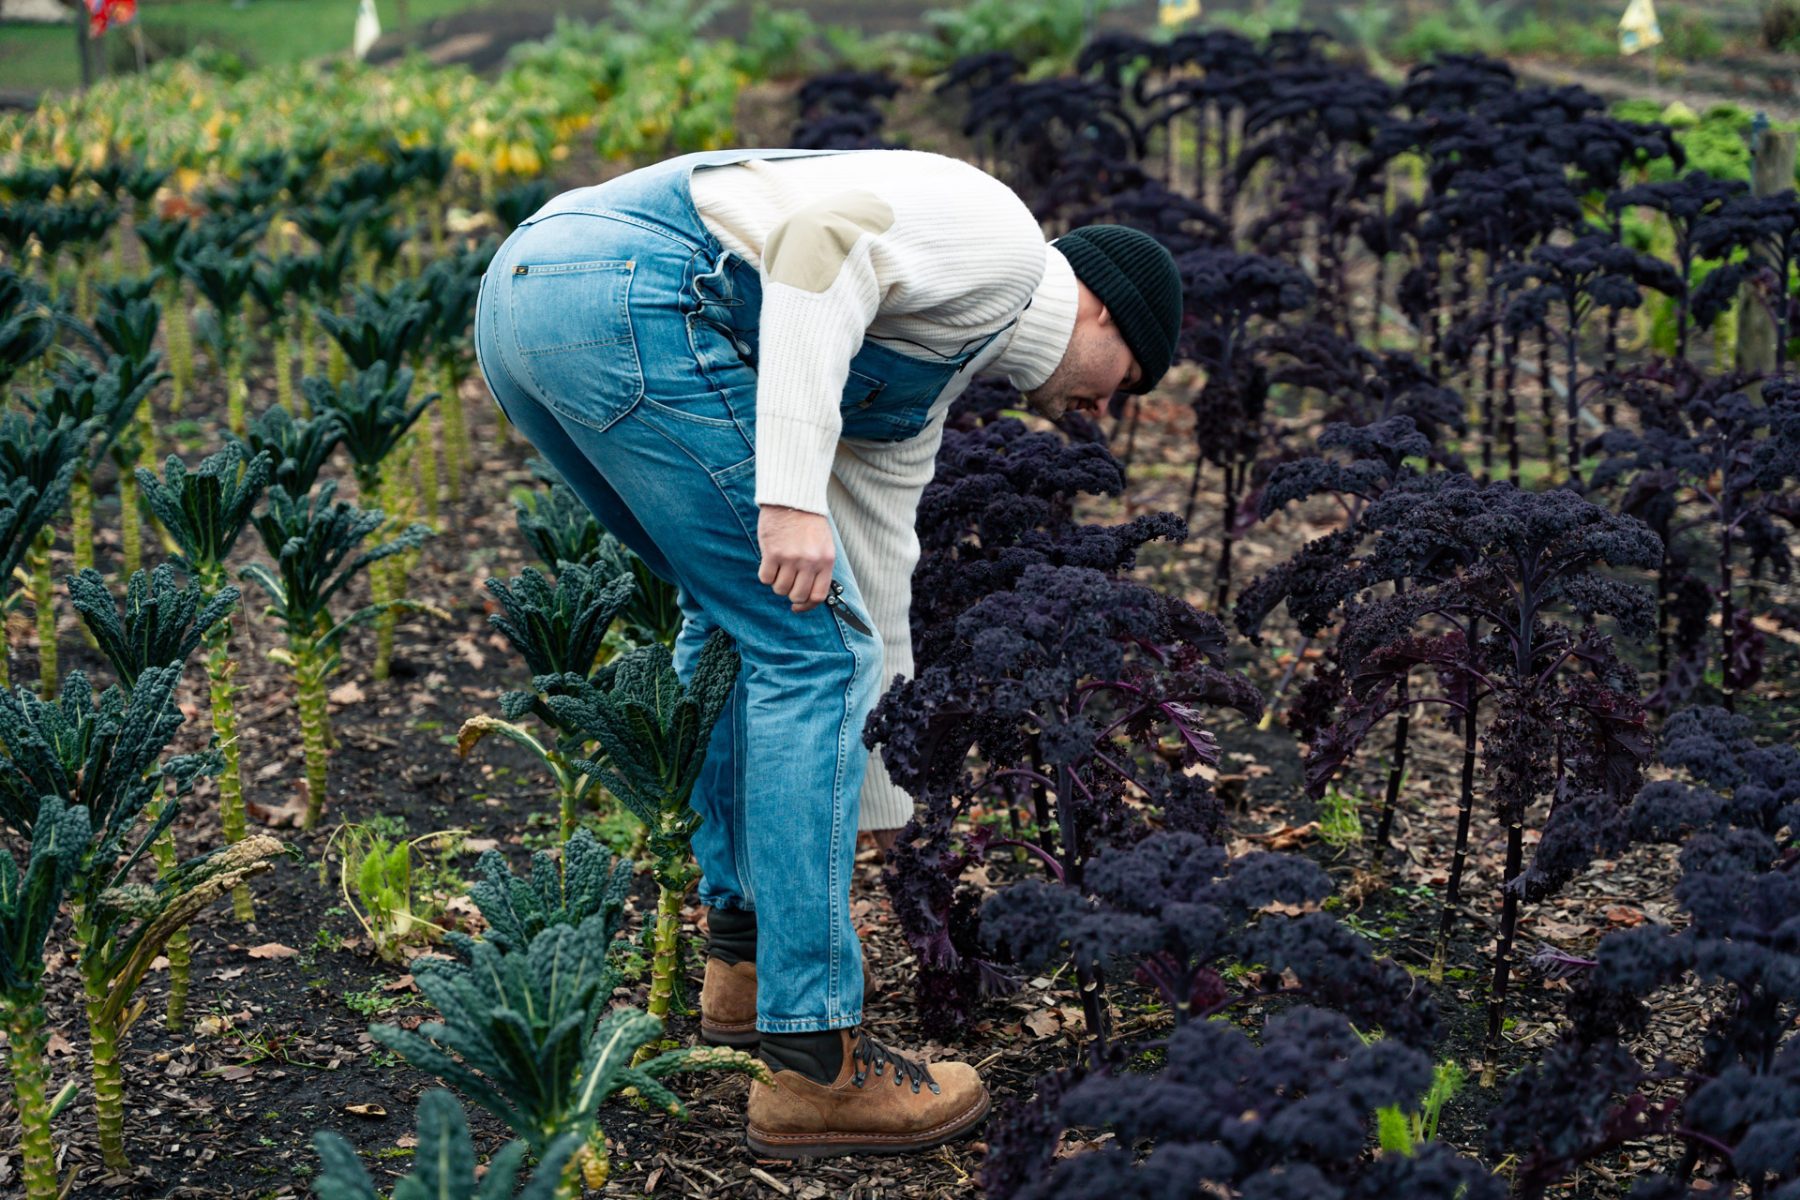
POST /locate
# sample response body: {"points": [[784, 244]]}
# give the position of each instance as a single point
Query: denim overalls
{"points": [[620, 338]]}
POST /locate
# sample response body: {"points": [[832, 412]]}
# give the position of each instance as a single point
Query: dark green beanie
{"points": [[1134, 275]]}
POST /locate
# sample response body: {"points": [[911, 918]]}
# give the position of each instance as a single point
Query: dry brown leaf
{"points": [[365, 1110], [403, 984], [58, 1044], [283, 816], [272, 950], [1286, 837], [1044, 1023], [348, 692]]}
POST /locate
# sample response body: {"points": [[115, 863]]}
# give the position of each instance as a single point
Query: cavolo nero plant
{"points": [[525, 1029], [444, 1163], [314, 544], [161, 624], [560, 629], [38, 460], [560, 529], [373, 417], [30, 899], [652, 731], [106, 754], [203, 512]]}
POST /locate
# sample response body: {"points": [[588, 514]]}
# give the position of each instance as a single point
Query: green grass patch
{"points": [[261, 33]]}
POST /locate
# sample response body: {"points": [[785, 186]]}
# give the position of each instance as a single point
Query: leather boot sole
{"points": [[831, 1145]]}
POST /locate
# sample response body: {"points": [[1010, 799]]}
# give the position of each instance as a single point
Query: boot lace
{"points": [[871, 1054]]}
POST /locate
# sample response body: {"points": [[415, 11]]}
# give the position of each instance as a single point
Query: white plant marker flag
{"points": [[1638, 28], [368, 30]]}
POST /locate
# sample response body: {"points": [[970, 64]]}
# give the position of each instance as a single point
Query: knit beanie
{"points": [[1134, 275]]}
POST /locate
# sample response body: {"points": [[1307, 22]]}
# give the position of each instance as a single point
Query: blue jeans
{"points": [[612, 330]]}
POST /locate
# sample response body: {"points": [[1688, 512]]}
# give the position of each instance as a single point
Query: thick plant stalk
{"points": [[43, 594], [284, 372], [81, 509], [179, 948], [109, 1083], [220, 670], [428, 469], [131, 524], [118, 249], [180, 336], [387, 579], [26, 1040], [590, 1168], [456, 431], [1509, 920], [308, 338], [237, 391], [337, 366], [315, 729], [664, 962], [1459, 858]]}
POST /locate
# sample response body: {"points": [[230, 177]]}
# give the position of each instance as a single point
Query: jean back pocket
{"points": [[573, 329]]}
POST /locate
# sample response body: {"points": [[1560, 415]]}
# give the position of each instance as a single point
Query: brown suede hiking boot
{"points": [[728, 1002], [880, 1103]]}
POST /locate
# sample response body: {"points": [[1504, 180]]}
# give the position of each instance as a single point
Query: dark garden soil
{"points": [[276, 1046]]}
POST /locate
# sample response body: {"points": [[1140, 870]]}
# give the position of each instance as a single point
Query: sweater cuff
{"points": [[793, 462], [1042, 334]]}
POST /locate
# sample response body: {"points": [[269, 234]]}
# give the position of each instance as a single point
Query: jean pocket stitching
{"points": [[676, 414]]}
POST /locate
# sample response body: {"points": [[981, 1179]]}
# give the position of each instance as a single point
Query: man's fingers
{"points": [[802, 589], [783, 582], [821, 587]]}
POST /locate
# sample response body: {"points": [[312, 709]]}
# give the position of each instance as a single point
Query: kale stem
{"points": [[26, 1038]]}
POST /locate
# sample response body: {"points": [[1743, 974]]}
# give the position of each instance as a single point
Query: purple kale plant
{"points": [[1563, 719], [1081, 697], [1731, 1098], [1285, 1116], [1003, 500], [1173, 910], [1736, 461]]}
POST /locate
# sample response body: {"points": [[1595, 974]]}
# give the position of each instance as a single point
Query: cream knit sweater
{"points": [[880, 244]]}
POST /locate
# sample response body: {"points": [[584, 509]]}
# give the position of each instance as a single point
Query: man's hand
{"points": [[797, 554]]}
